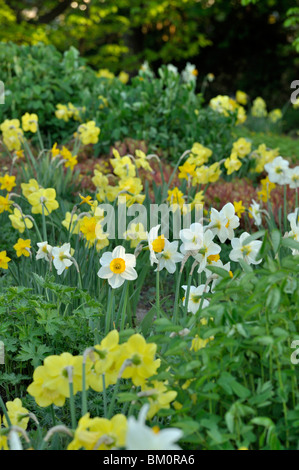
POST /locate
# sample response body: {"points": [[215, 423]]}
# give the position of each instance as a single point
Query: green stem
{"points": [[109, 313], [176, 301]]}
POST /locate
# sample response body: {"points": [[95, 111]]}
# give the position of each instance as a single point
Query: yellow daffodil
{"points": [[4, 260], [7, 182], [5, 204], [89, 133], [159, 397], [30, 122], [43, 200], [22, 248], [239, 208], [100, 433], [29, 188], [19, 221]]}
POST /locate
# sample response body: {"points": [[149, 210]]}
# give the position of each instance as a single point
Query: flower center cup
{"points": [[118, 265], [158, 244]]}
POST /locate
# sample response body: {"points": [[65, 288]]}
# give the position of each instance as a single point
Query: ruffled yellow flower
{"points": [[241, 147], [89, 133], [140, 357], [104, 362], [232, 164], [100, 433], [30, 122], [62, 112], [199, 154], [105, 73], [259, 108], [50, 381], [29, 188], [17, 414]]}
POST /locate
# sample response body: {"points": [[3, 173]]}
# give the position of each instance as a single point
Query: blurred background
{"points": [[251, 45]]}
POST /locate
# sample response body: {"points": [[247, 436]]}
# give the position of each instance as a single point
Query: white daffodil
{"points": [[192, 237], [44, 251], [232, 220], [172, 69], [156, 244], [246, 252], [294, 234], [141, 437], [293, 177], [195, 296], [217, 278], [278, 170], [217, 225], [189, 74], [293, 218], [208, 249], [255, 212], [61, 257], [169, 257], [117, 267]]}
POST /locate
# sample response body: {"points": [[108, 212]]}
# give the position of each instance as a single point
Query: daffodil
{"points": [[22, 248], [195, 298], [239, 208], [278, 170], [141, 437], [241, 147], [192, 237], [29, 188], [104, 360], [51, 381], [4, 260], [7, 182], [169, 257], [246, 252], [61, 257], [43, 200], [44, 251], [30, 122], [89, 133], [17, 414], [158, 395], [19, 221], [140, 360], [117, 266], [100, 433], [5, 204], [135, 233]]}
